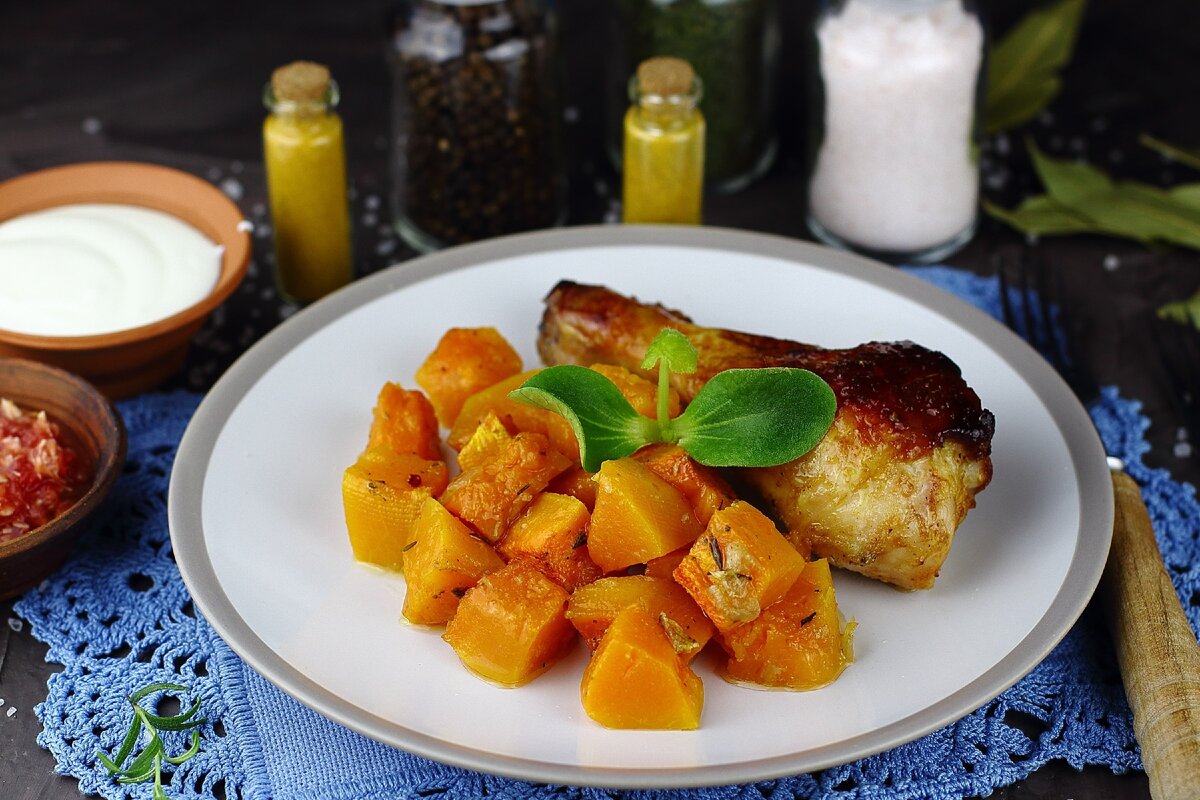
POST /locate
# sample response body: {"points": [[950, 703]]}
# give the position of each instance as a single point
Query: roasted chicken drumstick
{"points": [[884, 491]]}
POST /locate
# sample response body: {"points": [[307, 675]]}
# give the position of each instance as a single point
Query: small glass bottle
{"points": [[476, 109], [663, 157], [306, 182], [734, 46], [894, 171]]}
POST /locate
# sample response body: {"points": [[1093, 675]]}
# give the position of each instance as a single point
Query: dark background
{"points": [[180, 84]]}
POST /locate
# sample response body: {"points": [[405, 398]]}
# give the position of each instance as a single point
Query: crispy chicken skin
{"points": [[884, 491]]}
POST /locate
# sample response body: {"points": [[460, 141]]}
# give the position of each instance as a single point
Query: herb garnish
{"points": [[148, 763], [739, 418]]}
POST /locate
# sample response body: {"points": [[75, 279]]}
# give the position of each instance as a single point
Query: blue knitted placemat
{"points": [[117, 617]]}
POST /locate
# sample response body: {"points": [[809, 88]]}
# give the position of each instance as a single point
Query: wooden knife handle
{"points": [[1157, 651]]}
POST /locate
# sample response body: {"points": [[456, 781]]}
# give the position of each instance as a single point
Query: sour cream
{"points": [[85, 269]]}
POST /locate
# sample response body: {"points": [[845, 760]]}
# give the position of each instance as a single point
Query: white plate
{"points": [[256, 517]]}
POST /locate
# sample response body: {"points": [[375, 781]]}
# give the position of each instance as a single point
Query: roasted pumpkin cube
{"points": [[641, 393], [511, 627], [797, 642], [577, 482], [444, 561], [404, 421], [740, 565], [382, 494], [515, 415], [638, 516], [593, 608], [664, 566], [465, 361], [635, 680], [706, 490], [552, 533], [492, 494], [486, 442]]}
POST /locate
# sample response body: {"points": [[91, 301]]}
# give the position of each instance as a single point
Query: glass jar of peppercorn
{"points": [[475, 108]]}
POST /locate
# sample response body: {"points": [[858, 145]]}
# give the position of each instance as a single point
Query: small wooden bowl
{"points": [[127, 362], [95, 428]]}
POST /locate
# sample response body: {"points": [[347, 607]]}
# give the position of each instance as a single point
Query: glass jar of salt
{"points": [[894, 167]]}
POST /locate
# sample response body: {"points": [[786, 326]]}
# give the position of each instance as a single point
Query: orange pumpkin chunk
{"points": [[707, 491], [465, 361], [486, 442], [739, 566], [664, 566], [516, 417], [382, 494], [552, 533], [796, 643], [638, 516], [404, 421], [492, 494], [593, 608], [444, 561], [578, 483], [635, 679], [641, 393], [511, 627]]}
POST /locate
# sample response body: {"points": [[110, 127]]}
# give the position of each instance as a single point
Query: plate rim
{"points": [[1087, 456]]}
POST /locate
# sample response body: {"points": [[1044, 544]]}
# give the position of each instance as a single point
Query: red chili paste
{"points": [[40, 475]]}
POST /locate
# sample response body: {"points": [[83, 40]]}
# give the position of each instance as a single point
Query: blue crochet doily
{"points": [[118, 617]]}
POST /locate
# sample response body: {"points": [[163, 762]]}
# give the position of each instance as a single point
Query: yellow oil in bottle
{"points": [[305, 159]]}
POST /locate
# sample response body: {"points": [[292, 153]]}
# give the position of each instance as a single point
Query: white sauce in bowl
{"points": [[84, 269]]}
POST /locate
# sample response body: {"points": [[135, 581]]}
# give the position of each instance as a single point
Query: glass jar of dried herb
{"points": [[475, 108], [734, 47]]}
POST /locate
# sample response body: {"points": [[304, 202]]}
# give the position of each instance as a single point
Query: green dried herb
{"points": [[1023, 66], [1083, 199], [147, 765]]}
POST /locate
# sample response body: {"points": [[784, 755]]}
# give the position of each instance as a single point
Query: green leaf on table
{"points": [[1078, 193], [756, 417], [147, 765], [1041, 216], [1023, 66], [1185, 311], [604, 422], [1189, 157]]}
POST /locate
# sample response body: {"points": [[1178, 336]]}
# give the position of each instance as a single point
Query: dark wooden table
{"points": [[179, 84]]}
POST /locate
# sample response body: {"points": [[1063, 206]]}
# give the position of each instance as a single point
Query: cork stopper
{"points": [[301, 82], [665, 76]]}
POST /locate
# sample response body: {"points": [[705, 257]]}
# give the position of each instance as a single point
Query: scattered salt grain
{"points": [[1003, 145], [385, 247], [371, 202], [1183, 450], [91, 126], [1, 701], [1111, 262], [11, 711], [370, 220], [245, 226], [613, 215], [262, 231], [214, 174], [258, 209], [232, 188], [601, 187], [15, 625], [236, 167]]}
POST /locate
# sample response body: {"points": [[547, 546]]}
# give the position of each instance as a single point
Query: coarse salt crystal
{"points": [[896, 171], [15, 625], [11, 711]]}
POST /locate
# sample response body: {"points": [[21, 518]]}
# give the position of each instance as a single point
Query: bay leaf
{"points": [[1023, 66], [1041, 216], [1187, 156]]}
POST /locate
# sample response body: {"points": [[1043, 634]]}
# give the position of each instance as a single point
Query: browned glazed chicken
{"points": [[884, 491]]}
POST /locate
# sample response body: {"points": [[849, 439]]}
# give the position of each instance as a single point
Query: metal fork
{"points": [[1177, 344], [1156, 649]]}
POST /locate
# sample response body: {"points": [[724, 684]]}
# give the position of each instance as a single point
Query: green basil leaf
{"points": [[673, 349], [605, 424], [756, 417], [1023, 66], [1189, 157]]}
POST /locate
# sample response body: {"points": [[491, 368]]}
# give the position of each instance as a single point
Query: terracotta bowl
{"points": [[126, 362], [90, 423]]}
